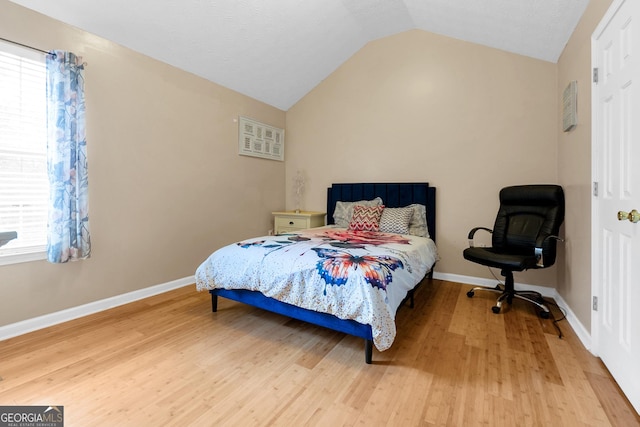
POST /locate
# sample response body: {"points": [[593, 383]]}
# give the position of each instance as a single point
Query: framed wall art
{"points": [[260, 140]]}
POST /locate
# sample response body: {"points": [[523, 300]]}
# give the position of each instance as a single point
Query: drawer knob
{"points": [[290, 222]]}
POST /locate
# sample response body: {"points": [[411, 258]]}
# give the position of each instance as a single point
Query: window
{"points": [[23, 158]]}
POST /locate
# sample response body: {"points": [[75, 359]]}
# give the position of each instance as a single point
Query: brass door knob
{"points": [[633, 216]]}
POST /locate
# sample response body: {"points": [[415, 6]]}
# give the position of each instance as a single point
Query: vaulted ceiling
{"points": [[276, 51]]}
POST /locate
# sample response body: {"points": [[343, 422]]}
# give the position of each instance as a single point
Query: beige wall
{"points": [[422, 107], [167, 186], [574, 167]]}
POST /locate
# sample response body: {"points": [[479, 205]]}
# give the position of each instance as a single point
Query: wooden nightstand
{"points": [[288, 221]]}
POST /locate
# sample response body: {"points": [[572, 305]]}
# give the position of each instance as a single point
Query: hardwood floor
{"points": [[168, 360]]}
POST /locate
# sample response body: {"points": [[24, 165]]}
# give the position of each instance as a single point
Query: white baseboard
{"points": [[40, 322], [582, 333]]}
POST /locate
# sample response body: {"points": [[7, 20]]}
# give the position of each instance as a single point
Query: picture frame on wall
{"points": [[258, 139]]}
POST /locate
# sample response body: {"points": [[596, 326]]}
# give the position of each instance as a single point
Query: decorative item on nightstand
{"points": [[298, 189], [291, 221]]}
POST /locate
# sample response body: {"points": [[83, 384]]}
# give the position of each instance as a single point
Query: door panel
{"points": [[616, 161]]}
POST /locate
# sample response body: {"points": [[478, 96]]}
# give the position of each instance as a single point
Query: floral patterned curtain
{"points": [[68, 232]]}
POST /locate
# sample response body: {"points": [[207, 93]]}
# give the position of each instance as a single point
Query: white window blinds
{"points": [[23, 144]]}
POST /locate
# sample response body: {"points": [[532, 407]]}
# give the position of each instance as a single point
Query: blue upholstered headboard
{"points": [[393, 195]]}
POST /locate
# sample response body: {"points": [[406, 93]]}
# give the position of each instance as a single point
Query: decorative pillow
{"points": [[396, 220], [344, 210], [366, 218], [418, 224]]}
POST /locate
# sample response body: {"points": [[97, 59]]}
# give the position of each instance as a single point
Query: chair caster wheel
{"points": [[495, 309], [544, 314], [470, 294]]}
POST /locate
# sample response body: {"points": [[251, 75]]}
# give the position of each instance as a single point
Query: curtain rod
{"points": [[24, 45]]}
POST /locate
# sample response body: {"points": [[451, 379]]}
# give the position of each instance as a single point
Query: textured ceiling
{"points": [[276, 51]]}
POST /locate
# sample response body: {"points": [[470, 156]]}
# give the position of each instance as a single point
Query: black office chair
{"points": [[524, 237]]}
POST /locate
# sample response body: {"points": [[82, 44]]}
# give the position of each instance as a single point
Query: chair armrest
{"points": [[473, 232], [539, 242]]}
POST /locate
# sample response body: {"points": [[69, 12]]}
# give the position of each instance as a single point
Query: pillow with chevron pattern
{"points": [[366, 218], [396, 220], [344, 210]]}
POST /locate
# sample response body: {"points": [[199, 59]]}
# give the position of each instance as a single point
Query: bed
{"points": [[344, 276]]}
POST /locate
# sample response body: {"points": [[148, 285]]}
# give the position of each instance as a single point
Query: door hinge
{"points": [[595, 303], [595, 75], [595, 189]]}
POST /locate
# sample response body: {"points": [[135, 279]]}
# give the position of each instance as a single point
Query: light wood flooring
{"points": [[168, 360]]}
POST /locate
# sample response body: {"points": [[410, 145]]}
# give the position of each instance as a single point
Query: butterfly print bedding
{"points": [[358, 275]]}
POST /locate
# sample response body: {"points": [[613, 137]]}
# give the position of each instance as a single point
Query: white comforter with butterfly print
{"points": [[358, 275]]}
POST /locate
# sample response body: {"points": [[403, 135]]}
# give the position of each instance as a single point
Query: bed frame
{"points": [[393, 195]]}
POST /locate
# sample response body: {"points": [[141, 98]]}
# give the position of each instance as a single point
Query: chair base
{"points": [[508, 293]]}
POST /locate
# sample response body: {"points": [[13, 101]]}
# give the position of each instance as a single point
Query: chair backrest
{"points": [[527, 212]]}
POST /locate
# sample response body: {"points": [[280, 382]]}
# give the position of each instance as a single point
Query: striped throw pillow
{"points": [[344, 210], [366, 218]]}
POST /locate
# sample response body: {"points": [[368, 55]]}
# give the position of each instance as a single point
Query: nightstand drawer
{"points": [[292, 223]]}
